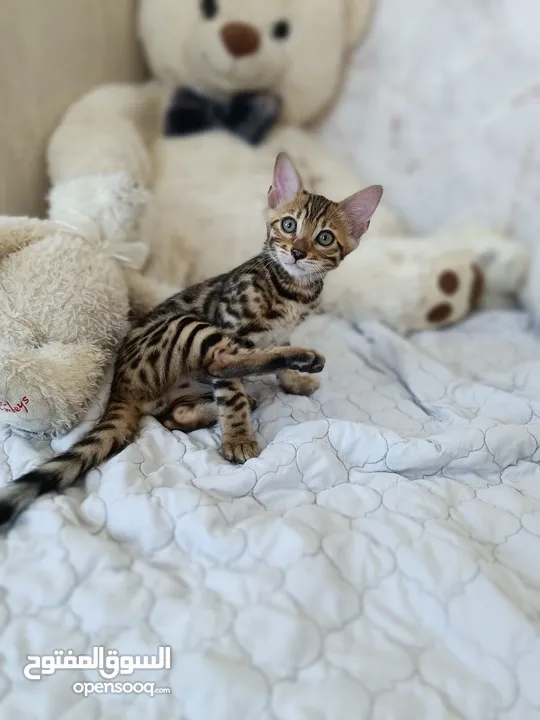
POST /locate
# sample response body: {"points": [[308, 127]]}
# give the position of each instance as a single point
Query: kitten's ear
{"points": [[359, 209], [287, 182]]}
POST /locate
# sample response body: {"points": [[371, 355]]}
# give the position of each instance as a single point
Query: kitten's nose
{"points": [[240, 39], [298, 254]]}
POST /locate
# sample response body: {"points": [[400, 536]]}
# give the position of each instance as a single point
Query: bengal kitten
{"points": [[184, 362]]}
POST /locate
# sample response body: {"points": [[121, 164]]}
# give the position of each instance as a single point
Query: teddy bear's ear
{"points": [[322, 34], [358, 15]]}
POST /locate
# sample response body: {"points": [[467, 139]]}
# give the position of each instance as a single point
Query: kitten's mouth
{"points": [[295, 268]]}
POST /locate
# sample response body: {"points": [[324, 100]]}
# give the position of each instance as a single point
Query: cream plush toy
{"points": [[236, 82], [66, 288]]}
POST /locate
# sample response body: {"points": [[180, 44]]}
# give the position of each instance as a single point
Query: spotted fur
{"points": [[185, 361]]}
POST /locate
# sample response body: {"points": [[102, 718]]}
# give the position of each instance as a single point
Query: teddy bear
{"points": [[69, 287], [235, 83]]}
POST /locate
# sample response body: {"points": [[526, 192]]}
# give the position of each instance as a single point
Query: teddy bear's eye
{"points": [[281, 30], [209, 8]]}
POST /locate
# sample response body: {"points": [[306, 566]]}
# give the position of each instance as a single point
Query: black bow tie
{"points": [[251, 116]]}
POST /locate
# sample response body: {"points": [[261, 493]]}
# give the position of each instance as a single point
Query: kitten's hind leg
{"points": [[238, 443], [194, 412], [189, 413], [297, 383]]}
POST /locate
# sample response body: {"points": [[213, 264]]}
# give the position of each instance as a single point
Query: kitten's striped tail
{"points": [[111, 434]]}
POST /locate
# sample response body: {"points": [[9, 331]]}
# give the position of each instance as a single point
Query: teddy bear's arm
{"points": [[145, 293], [109, 130], [18, 233]]}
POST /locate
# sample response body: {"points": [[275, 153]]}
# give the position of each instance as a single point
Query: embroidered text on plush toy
{"points": [[6, 406]]}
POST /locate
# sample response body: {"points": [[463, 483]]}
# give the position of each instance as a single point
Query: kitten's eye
{"points": [[209, 8], [325, 238], [281, 30], [289, 225]]}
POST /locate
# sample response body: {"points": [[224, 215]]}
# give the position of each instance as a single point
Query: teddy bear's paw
{"points": [[455, 293], [503, 260], [108, 205], [505, 267]]}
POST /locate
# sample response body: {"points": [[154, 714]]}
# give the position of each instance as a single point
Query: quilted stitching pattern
{"points": [[379, 560]]}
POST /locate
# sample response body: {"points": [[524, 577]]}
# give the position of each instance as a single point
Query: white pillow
{"points": [[442, 106]]}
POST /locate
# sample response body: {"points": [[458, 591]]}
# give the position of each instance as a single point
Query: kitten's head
{"points": [[310, 235]]}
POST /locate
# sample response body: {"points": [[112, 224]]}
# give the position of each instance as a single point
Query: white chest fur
{"points": [[279, 331]]}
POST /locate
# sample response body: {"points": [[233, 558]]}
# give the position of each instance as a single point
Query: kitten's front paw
{"points": [[239, 452], [307, 361]]}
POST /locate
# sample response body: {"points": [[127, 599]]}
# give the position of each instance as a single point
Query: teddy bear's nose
{"points": [[240, 39]]}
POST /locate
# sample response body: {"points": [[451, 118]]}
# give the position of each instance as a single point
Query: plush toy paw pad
{"points": [[451, 284], [439, 313]]}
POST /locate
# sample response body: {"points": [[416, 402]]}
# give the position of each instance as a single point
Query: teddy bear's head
{"points": [[296, 48]]}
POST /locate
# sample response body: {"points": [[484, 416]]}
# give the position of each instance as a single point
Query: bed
{"points": [[379, 560]]}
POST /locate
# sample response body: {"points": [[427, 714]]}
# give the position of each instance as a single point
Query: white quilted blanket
{"points": [[379, 560]]}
